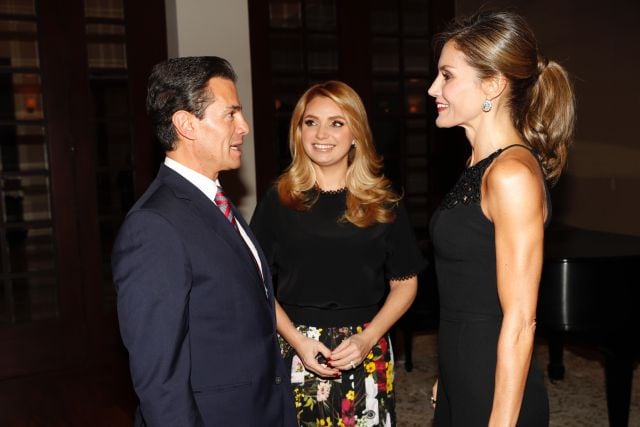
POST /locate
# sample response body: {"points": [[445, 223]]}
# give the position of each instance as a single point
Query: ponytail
{"points": [[548, 122]]}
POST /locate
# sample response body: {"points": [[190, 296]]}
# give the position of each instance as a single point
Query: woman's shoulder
{"points": [[514, 167], [513, 183], [398, 210], [272, 192], [268, 203]]}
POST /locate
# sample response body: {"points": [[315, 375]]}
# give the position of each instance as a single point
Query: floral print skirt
{"points": [[361, 397]]}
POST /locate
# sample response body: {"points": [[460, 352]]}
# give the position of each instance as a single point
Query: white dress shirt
{"points": [[210, 188]]}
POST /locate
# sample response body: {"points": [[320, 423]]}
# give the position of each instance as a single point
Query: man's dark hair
{"points": [[181, 84]]}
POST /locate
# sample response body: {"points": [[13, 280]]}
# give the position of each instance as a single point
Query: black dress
{"points": [[470, 313], [331, 280]]}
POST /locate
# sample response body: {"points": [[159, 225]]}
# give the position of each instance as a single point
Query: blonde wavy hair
{"points": [[370, 198], [540, 91]]}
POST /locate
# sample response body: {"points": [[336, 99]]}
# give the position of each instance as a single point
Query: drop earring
{"points": [[487, 105], [353, 143]]}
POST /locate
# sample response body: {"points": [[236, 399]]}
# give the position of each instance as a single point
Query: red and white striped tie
{"points": [[225, 206]]}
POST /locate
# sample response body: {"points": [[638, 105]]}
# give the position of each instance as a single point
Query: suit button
{"points": [[278, 380]]}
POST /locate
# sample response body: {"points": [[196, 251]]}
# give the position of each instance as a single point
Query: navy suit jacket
{"points": [[194, 316]]}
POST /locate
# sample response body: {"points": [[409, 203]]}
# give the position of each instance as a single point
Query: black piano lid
{"points": [[564, 242], [589, 281]]}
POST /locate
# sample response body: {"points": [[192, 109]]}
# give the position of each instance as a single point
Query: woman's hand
{"points": [[434, 394], [308, 350], [352, 351]]}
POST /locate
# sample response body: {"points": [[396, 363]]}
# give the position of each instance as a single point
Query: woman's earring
{"points": [[353, 143], [487, 105]]}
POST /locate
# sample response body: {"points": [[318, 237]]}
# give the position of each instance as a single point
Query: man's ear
{"points": [[494, 86], [185, 124]]}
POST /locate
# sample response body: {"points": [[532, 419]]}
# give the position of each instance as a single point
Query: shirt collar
{"points": [[208, 186]]}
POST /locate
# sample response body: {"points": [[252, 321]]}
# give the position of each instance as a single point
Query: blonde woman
{"points": [[346, 261]]}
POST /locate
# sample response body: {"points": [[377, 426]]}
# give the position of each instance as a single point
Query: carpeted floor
{"points": [[577, 401]]}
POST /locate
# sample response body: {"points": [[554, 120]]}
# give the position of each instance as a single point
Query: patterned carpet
{"points": [[577, 401]]}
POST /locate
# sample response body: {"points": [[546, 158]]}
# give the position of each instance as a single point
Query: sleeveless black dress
{"points": [[470, 313]]}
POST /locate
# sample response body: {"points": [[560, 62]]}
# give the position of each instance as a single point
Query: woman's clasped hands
{"points": [[317, 358]]}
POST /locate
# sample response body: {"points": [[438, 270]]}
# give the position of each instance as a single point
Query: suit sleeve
{"points": [[153, 280]]}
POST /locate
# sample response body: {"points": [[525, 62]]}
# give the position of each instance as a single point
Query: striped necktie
{"points": [[225, 206]]}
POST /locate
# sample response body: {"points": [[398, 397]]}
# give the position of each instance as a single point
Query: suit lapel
{"points": [[263, 260], [213, 218], [211, 215]]}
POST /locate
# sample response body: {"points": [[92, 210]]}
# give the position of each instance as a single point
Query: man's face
{"points": [[218, 144]]}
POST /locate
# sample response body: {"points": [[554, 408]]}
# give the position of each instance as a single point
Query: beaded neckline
{"points": [[467, 189]]}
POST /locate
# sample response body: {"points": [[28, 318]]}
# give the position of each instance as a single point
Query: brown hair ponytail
{"points": [[547, 125]]}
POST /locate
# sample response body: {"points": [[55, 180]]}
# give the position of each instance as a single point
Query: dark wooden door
{"points": [[75, 151]]}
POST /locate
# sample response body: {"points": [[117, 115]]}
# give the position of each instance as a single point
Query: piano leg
{"points": [[618, 359], [555, 368]]}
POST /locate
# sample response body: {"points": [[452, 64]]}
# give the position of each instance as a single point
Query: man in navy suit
{"points": [[195, 299]]}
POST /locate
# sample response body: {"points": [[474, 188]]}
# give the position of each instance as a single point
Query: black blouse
{"points": [[329, 272]]}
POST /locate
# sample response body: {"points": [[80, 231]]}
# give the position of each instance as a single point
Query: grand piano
{"points": [[590, 294]]}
